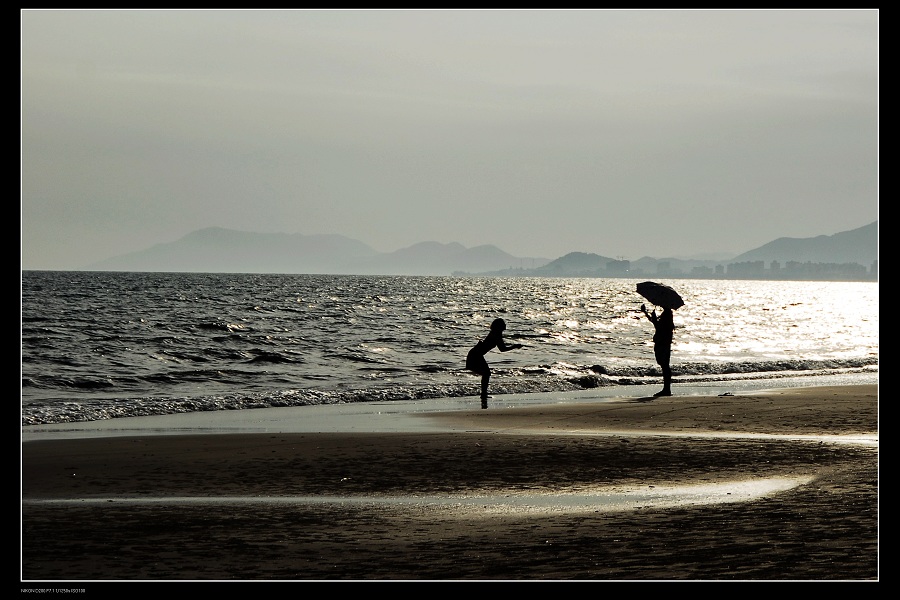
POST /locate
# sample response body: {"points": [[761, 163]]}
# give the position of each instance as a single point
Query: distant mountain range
{"points": [[859, 246], [218, 250], [854, 246]]}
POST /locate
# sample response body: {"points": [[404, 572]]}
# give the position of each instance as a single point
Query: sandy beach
{"points": [[780, 485]]}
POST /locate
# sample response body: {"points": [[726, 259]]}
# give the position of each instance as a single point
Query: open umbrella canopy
{"points": [[660, 295]]}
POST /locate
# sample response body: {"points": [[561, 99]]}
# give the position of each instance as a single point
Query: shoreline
{"points": [[399, 415], [823, 527]]}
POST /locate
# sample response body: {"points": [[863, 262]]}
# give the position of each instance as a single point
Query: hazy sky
{"points": [[620, 132]]}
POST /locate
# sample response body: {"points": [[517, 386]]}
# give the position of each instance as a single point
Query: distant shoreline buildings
{"points": [[790, 270]]}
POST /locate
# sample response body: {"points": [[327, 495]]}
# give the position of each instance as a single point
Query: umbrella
{"points": [[660, 295]]}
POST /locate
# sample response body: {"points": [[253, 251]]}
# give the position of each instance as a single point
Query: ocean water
{"points": [[103, 345]]}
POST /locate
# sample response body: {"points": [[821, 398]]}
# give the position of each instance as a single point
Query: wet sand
{"points": [[471, 497]]}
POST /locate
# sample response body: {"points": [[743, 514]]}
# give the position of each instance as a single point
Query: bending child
{"points": [[475, 361]]}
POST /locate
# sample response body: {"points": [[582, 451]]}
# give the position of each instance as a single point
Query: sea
{"points": [[107, 345]]}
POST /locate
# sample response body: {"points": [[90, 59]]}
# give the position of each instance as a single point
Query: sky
{"points": [[625, 133]]}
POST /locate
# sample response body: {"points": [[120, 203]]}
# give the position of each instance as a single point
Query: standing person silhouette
{"points": [[662, 344], [475, 361]]}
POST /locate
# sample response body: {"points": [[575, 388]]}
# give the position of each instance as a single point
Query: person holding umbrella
{"points": [[669, 300], [475, 361], [662, 344]]}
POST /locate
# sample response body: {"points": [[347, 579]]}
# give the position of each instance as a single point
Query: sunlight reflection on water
{"points": [[99, 345], [599, 499]]}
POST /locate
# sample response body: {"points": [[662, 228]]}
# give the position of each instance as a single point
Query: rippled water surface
{"points": [[104, 345]]}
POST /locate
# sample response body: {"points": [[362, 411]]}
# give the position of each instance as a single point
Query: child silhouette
{"points": [[475, 361]]}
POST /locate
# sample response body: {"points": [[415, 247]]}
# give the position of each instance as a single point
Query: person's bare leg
{"points": [[667, 381], [662, 359]]}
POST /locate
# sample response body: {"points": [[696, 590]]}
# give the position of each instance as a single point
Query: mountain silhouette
{"points": [[220, 250], [427, 258], [216, 250], [574, 264], [855, 246]]}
